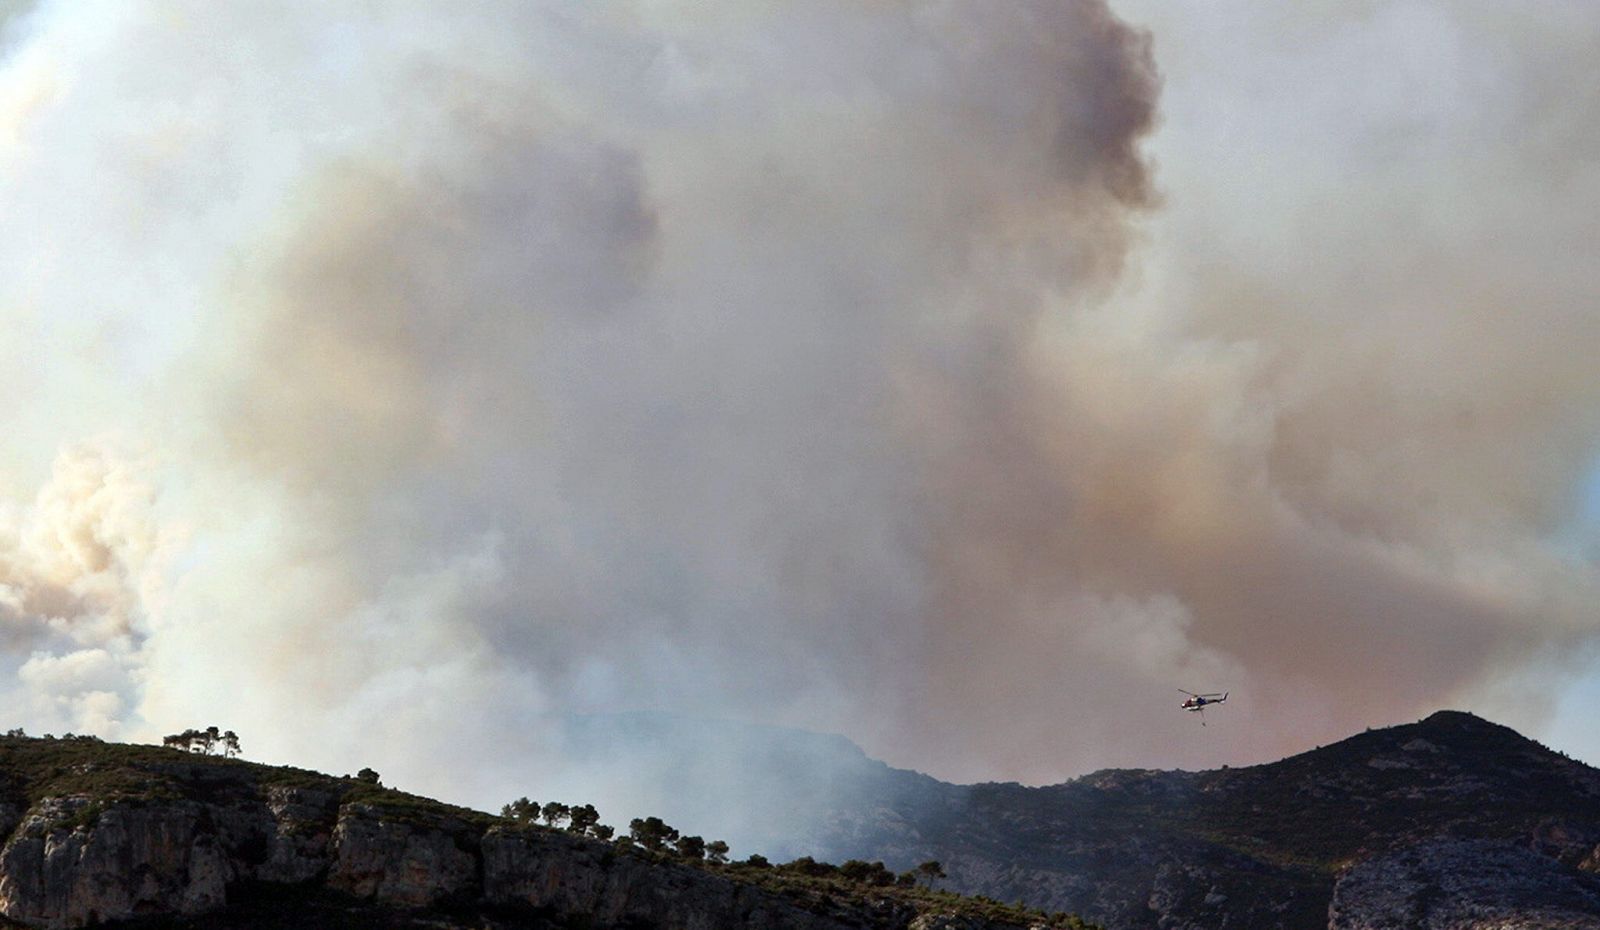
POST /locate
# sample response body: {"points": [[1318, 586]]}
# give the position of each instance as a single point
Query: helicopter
{"points": [[1197, 702]]}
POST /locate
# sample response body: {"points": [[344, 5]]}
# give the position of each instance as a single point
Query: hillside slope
{"points": [[1449, 822], [99, 832]]}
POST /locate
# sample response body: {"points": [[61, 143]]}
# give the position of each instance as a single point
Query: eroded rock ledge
{"points": [[71, 861]]}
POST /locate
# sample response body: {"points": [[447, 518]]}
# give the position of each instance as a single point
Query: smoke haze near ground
{"points": [[402, 382]]}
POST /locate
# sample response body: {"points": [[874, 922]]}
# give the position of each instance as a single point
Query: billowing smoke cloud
{"points": [[400, 383]]}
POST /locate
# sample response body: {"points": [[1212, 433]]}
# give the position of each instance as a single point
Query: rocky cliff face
{"points": [[68, 865], [160, 837]]}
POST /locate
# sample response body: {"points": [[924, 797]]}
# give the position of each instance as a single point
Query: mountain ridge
{"points": [[97, 832], [1450, 822], [1266, 845]]}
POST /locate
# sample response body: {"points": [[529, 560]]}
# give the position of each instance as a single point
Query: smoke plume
{"points": [[403, 381]]}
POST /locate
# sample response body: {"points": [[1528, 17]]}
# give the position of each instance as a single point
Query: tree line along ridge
{"points": [[656, 836]]}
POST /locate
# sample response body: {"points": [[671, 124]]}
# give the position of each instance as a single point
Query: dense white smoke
{"points": [[398, 382]]}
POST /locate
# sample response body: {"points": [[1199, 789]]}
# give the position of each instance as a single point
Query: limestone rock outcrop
{"points": [[70, 864], [72, 861]]}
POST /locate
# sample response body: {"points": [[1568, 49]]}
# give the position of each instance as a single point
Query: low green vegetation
{"points": [[83, 766], [809, 881], [32, 769]]}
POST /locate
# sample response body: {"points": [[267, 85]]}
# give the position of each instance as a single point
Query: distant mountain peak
{"points": [[1453, 737], [1461, 720], [1271, 845]]}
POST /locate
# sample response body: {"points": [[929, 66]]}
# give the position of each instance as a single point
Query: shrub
{"points": [[691, 847], [651, 833], [867, 873]]}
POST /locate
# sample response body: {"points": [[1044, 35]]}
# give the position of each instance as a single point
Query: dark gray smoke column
{"points": [[716, 335]]}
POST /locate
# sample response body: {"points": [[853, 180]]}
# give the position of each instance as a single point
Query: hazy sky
{"points": [[385, 381]]}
